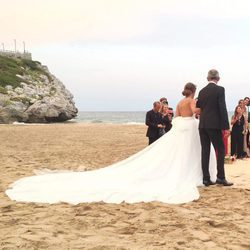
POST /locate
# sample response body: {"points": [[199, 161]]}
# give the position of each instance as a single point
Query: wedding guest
{"points": [[242, 104], [238, 124], [245, 114], [165, 119], [170, 113], [163, 101], [154, 123], [247, 104]]}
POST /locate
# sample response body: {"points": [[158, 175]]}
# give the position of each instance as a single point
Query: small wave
{"points": [[29, 124]]}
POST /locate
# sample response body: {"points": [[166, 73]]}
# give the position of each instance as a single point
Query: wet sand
{"points": [[220, 219]]}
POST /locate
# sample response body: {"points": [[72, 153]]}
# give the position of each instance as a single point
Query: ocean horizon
{"points": [[115, 117]]}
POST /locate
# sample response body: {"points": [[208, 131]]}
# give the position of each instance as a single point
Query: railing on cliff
{"points": [[16, 54]]}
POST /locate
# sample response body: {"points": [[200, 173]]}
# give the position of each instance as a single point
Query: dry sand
{"points": [[220, 219]]}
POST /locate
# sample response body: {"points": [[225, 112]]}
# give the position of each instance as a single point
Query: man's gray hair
{"points": [[213, 74], [156, 103]]}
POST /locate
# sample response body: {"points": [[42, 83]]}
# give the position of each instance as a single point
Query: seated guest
{"points": [[238, 123], [154, 123], [165, 119]]}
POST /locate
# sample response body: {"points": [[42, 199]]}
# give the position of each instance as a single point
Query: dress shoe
{"points": [[223, 182], [208, 183]]}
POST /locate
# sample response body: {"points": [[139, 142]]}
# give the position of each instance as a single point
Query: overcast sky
{"points": [[125, 54]]}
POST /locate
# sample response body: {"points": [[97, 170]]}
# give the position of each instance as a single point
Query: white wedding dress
{"points": [[168, 170]]}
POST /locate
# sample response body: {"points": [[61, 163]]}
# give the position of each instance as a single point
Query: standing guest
{"points": [[154, 123], [245, 114], [238, 125], [243, 106], [165, 120], [170, 113], [247, 103], [163, 101]]}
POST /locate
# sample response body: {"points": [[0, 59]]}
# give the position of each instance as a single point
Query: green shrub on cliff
{"points": [[10, 67], [29, 63], [34, 66]]}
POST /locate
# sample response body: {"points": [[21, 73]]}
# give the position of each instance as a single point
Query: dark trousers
{"points": [[152, 139], [214, 136], [237, 140]]}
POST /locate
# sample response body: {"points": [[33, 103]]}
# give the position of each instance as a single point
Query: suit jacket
{"points": [[211, 101], [152, 120]]}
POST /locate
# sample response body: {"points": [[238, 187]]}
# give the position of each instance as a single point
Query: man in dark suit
{"points": [[213, 119], [154, 123]]}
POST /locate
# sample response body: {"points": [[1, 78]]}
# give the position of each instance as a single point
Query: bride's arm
{"points": [[193, 107]]}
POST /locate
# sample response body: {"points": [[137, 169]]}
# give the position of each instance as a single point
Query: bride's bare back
{"points": [[186, 107]]}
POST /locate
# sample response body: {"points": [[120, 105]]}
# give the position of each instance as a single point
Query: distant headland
{"points": [[30, 93]]}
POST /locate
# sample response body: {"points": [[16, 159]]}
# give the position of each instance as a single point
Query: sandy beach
{"points": [[220, 219]]}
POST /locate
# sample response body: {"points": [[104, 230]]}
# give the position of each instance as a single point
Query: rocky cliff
{"points": [[30, 93]]}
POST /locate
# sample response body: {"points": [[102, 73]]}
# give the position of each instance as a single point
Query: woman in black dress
{"points": [[238, 127], [166, 120]]}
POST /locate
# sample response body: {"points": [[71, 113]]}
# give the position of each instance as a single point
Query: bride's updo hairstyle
{"points": [[189, 89]]}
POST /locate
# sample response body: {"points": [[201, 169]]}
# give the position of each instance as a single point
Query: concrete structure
{"points": [[16, 54]]}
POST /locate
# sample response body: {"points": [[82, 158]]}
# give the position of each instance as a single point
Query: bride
{"points": [[169, 170]]}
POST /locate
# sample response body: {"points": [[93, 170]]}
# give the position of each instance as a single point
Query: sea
{"points": [[115, 117], [112, 117]]}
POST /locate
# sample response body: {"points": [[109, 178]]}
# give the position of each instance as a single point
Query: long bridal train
{"points": [[168, 170]]}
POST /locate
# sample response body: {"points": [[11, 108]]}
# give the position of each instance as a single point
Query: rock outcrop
{"points": [[33, 94]]}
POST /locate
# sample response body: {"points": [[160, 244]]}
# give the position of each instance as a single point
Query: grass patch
{"points": [[10, 67], [29, 63], [34, 66]]}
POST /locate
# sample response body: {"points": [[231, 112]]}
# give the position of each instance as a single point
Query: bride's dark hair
{"points": [[189, 89]]}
